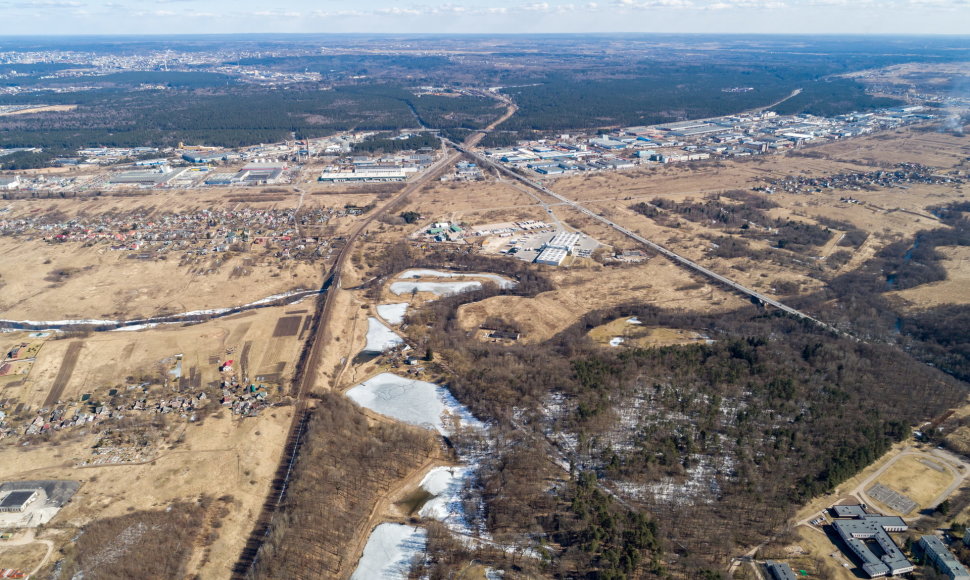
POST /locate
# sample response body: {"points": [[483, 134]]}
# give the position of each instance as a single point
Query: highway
{"points": [[673, 256]]}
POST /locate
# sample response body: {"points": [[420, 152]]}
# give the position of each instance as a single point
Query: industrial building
{"points": [[146, 178], [551, 256], [866, 534], [9, 182], [563, 241], [17, 501], [779, 570], [364, 175], [942, 558]]}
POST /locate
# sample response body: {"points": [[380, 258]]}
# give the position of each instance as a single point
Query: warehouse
{"points": [[563, 241], [551, 257], [361, 176], [17, 501], [779, 570]]}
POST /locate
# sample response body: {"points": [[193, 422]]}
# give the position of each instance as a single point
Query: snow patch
{"points": [[446, 485], [393, 313], [502, 281], [389, 552], [411, 401], [633, 320], [616, 341], [436, 288], [379, 337]]}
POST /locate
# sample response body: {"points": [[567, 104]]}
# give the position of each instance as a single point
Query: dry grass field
{"points": [[954, 290], [219, 455], [579, 291], [635, 334], [916, 479]]}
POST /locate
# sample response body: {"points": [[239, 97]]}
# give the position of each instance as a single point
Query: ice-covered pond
{"points": [[502, 281], [412, 401], [393, 313], [389, 552], [380, 337]]}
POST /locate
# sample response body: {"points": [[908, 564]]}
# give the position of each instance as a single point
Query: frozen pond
{"points": [[446, 484], [411, 401], [393, 313], [422, 273], [437, 288], [380, 337], [389, 552]]}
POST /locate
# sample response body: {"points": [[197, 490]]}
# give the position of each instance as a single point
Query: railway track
{"points": [[306, 372], [676, 258]]}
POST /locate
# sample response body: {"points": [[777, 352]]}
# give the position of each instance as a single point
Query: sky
{"points": [[479, 16]]}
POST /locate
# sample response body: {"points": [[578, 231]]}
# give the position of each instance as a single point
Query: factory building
{"points": [[9, 182], [17, 501], [551, 256], [146, 178], [563, 241], [942, 558]]}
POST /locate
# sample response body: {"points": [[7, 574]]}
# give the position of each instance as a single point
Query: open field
{"points": [[920, 479], [954, 290], [45, 109], [581, 290], [635, 334], [220, 454], [112, 359]]}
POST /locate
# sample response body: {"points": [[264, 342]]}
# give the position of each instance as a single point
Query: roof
{"points": [[780, 570], [849, 511], [17, 498], [874, 527], [941, 556]]}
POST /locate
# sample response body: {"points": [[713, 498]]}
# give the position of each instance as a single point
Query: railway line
{"points": [[308, 364], [670, 254]]}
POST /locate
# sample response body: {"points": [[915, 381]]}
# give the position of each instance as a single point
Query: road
{"points": [[957, 467], [673, 256], [319, 338]]}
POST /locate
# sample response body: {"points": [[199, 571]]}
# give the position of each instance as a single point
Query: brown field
{"points": [[219, 455], [22, 557], [287, 326], [64, 373], [581, 290], [916, 480], [644, 336], [954, 290], [47, 109]]}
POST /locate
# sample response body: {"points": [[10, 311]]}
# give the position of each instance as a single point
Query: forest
{"points": [[744, 214], [667, 448]]}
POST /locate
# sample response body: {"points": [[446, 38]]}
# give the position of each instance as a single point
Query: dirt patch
{"points": [[917, 480], [635, 334], [64, 373], [287, 326]]}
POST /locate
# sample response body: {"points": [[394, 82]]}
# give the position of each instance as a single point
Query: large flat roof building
{"points": [[563, 241], [940, 556], [866, 534], [780, 570], [17, 501], [551, 257]]}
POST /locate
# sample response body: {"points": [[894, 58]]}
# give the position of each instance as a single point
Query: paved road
{"points": [[673, 256]]}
